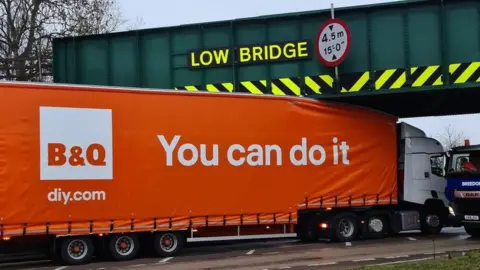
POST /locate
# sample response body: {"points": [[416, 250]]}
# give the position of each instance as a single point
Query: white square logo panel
{"points": [[75, 144]]}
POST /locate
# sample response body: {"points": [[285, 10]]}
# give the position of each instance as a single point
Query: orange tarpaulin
{"points": [[81, 154]]}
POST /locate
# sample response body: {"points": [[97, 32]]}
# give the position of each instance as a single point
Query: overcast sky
{"points": [[160, 13]]}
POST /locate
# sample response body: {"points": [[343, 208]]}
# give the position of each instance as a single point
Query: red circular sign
{"points": [[333, 42]]}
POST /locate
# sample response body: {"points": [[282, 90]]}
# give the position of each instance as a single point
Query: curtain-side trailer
{"points": [[89, 168]]}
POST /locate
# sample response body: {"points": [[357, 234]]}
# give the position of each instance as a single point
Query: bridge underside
{"points": [[453, 101]]}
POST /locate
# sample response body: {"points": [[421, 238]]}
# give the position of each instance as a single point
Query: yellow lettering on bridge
{"points": [[250, 54]]}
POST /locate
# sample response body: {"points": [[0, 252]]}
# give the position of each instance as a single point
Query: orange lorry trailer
{"points": [[83, 165]]}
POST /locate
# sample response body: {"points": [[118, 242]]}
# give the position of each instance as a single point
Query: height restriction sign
{"points": [[333, 42]]}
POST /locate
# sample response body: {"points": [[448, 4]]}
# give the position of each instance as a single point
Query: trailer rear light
{"points": [[323, 225]]}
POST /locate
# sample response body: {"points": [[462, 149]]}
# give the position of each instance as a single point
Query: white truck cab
{"points": [[422, 202], [422, 181], [423, 166]]}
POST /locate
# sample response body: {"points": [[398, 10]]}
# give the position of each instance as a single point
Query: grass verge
{"points": [[470, 261]]}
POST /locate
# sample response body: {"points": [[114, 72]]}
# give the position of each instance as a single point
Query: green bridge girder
{"points": [[409, 58]]}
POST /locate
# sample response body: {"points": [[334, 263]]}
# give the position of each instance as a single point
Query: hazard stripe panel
{"points": [[192, 88], [390, 79], [319, 84], [426, 76], [464, 72], [286, 87], [354, 82], [253, 87], [220, 87]]}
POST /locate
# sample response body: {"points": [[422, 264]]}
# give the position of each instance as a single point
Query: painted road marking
{"points": [[323, 264], [348, 244], [250, 252], [61, 268], [364, 260], [284, 267], [396, 257], [432, 253], [405, 261], [166, 260], [411, 239]]}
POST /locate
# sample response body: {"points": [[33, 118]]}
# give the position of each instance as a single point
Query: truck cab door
{"points": [[438, 181]]}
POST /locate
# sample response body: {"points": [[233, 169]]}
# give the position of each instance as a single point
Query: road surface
{"points": [[289, 254]]}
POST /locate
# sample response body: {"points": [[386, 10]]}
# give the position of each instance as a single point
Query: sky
{"points": [[162, 13]]}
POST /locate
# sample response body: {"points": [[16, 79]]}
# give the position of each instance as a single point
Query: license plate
{"points": [[468, 217]]}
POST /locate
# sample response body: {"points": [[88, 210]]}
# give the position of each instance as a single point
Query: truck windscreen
{"points": [[464, 163], [463, 173]]}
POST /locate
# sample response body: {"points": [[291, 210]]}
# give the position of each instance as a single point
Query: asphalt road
{"points": [[289, 254]]}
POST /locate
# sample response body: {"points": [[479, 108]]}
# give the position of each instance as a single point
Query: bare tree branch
{"points": [[451, 138], [139, 23], [27, 28]]}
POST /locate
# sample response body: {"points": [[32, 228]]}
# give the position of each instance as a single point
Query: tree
{"points": [[451, 138], [27, 28]]}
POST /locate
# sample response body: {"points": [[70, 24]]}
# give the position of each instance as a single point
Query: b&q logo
{"points": [[75, 144], [94, 155]]}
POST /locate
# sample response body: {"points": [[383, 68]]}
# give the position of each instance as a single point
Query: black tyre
{"points": [[345, 228], [76, 250], [123, 247], [168, 244], [376, 226], [431, 222], [473, 232]]}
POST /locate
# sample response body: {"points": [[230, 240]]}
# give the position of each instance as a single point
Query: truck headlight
{"points": [[451, 211]]}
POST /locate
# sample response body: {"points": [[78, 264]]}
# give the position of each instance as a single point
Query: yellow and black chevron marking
{"points": [[286, 87], [426, 76], [354, 82], [464, 72], [318, 84], [253, 87], [390, 78], [190, 88], [219, 87]]}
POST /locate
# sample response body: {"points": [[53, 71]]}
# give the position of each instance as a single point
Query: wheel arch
{"points": [[433, 202]]}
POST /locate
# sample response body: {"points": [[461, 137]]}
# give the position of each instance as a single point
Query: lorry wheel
{"points": [[76, 250], [431, 223], [345, 227], [473, 232], [123, 247], [376, 226], [168, 244]]}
